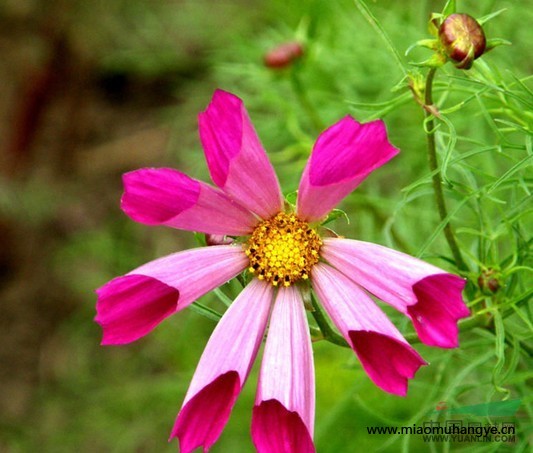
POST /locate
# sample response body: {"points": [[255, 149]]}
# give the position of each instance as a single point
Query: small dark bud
{"points": [[283, 55], [463, 39], [489, 281]]}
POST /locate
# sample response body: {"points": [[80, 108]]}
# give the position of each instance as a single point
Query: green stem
{"points": [[304, 101], [434, 168], [327, 331]]}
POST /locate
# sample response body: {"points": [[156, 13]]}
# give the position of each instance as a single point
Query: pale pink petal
{"points": [[343, 156], [431, 297], [129, 307], [284, 411], [223, 369], [385, 355], [236, 159], [163, 196]]}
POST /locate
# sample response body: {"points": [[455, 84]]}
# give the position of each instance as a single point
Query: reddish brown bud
{"points": [[283, 55], [463, 39], [489, 281]]}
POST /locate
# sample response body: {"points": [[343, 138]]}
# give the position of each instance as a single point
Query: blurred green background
{"points": [[90, 90]]}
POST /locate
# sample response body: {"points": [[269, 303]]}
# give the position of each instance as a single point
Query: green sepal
{"points": [[335, 214], [496, 42], [490, 16], [436, 61], [302, 30], [449, 8], [291, 198], [432, 44], [435, 19]]}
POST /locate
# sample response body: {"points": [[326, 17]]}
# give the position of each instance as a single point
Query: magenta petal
{"points": [[129, 307], [236, 159], [429, 295], [343, 156], [223, 368], [385, 355], [163, 196], [286, 390], [148, 302], [436, 322], [278, 430], [203, 418], [388, 361]]}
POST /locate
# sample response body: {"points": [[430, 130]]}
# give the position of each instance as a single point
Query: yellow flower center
{"points": [[283, 249]]}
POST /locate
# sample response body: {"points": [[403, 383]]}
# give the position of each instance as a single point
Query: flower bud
{"points": [[463, 39], [283, 55], [489, 281]]}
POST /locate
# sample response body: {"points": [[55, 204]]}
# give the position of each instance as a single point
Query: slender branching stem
{"points": [[434, 168]]}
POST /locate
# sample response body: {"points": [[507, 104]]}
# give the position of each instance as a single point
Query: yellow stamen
{"points": [[283, 249]]}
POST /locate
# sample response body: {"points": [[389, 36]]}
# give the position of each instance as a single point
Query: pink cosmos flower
{"points": [[283, 251]]}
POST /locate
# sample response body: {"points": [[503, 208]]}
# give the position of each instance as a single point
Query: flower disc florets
{"points": [[283, 249]]}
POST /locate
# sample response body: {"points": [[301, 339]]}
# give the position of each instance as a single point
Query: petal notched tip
{"points": [[221, 133], [349, 150], [202, 419], [430, 296], [439, 307], [278, 430], [390, 363], [163, 196], [342, 157], [155, 195], [225, 98], [236, 158], [131, 306]]}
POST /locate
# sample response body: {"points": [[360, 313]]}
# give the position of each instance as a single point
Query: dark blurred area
{"points": [[88, 90]]}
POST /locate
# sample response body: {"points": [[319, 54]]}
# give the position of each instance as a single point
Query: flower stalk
{"points": [[434, 168]]}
